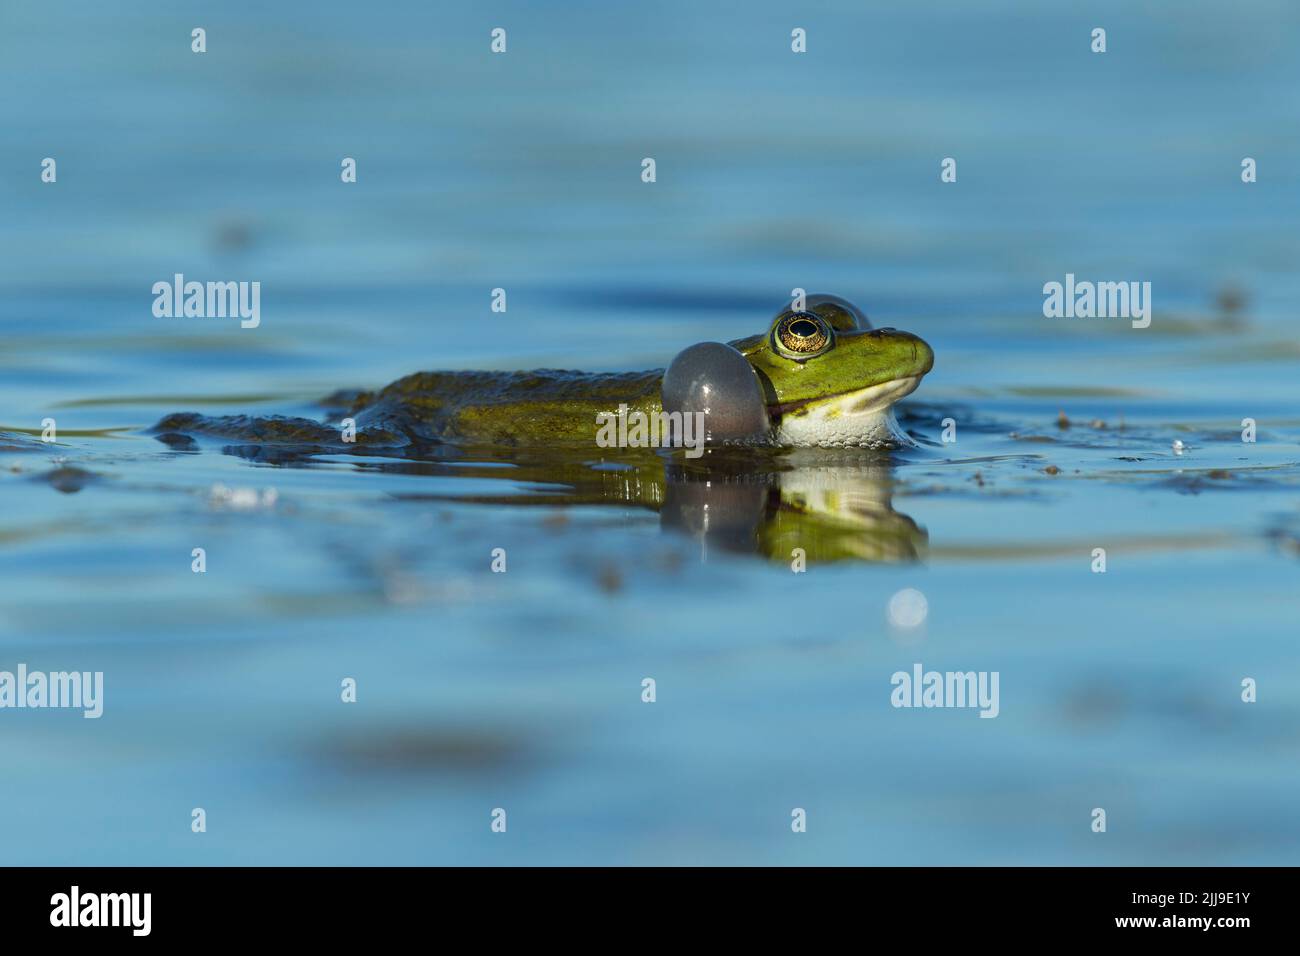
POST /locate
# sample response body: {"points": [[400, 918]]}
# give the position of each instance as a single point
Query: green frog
{"points": [[826, 377]]}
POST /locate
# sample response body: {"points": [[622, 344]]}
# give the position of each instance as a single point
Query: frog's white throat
{"points": [[862, 418]]}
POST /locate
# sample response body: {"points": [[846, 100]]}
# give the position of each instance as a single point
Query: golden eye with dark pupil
{"points": [[802, 335]]}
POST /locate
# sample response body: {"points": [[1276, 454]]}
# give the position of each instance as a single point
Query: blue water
{"points": [[523, 690]]}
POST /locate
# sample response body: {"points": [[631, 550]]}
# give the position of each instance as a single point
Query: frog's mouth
{"points": [[872, 399], [862, 416]]}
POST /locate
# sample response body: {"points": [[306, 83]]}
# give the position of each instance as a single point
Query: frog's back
{"points": [[527, 407]]}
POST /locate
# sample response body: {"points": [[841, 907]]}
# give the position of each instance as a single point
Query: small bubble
{"points": [[242, 499]]}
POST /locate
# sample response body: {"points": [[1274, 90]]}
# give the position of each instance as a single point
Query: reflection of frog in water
{"points": [[834, 504], [833, 509], [824, 378]]}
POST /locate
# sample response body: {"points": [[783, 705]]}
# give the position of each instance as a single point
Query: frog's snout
{"points": [[921, 352], [914, 355]]}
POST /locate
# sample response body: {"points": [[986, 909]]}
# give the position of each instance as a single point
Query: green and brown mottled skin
{"points": [[539, 407], [542, 406], [807, 399]]}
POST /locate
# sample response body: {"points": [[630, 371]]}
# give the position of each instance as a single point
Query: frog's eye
{"points": [[801, 335]]}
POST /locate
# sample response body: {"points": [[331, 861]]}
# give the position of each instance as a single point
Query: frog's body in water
{"points": [[825, 380]]}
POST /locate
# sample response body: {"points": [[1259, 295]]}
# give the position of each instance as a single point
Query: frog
{"points": [[827, 378]]}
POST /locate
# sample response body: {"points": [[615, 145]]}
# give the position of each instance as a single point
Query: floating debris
{"points": [[610, 579], [1231, 302], [1178, 446], [556, 522], [178, 442], [423, 748], [68, 479]]}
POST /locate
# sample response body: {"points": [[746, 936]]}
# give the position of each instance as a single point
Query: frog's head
{"points": [[831, 379]]}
